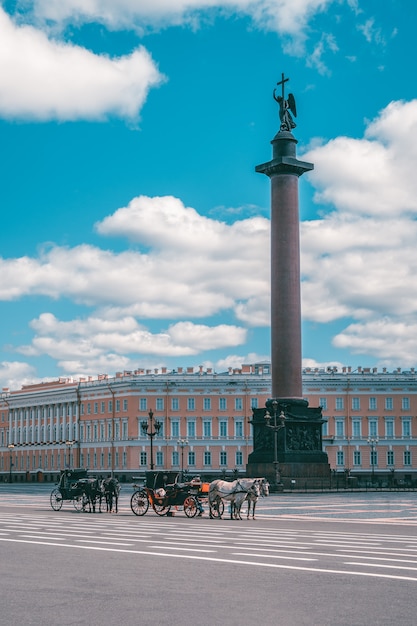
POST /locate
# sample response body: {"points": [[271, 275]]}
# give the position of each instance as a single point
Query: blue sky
{"points": [[135, 231]]}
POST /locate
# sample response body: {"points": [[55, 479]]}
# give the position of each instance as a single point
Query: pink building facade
{"points": [[370, 430]]}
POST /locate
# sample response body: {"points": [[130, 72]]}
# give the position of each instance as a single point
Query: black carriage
{"points": [[164, 490], [68, 489]]}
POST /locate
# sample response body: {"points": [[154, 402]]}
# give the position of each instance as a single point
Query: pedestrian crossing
{"points": [[312, 550], [366, 508]]}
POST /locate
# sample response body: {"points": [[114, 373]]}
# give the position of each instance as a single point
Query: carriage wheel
{"points": [[190, 506], [56, 500], [217, 508], [78, 503], [160, 509], [139, 502]]}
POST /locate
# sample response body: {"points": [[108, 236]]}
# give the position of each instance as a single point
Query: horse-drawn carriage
{"points": [[163, 490], [85, 491], [68, 489]]}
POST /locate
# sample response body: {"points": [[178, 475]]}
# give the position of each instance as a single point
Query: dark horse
{"points": [[92, 491], [111, 490]]}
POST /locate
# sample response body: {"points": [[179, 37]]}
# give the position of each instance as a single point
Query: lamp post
{"points": [[275, 427], [151, 429], [182, 443], [69, 444], [373, 442], [10, 446]]}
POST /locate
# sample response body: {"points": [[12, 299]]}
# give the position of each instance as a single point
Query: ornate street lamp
{"points": [[275, 427], [373, 442], [10, 446], [182, 443], [151, 429]]}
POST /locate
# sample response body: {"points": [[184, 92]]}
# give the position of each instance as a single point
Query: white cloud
{"points": [[43, 79], [98, 344], [194, 266], [373, 175], [359, 260], [14, 374], [284, 16], [372, 337]]}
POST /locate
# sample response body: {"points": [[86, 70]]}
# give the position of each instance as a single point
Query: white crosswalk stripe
{"points": [[332, 552]]}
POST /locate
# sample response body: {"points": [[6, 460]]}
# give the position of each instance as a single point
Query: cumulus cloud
{"points": [[363, 338], [193, 266], [372, 175], [43, 79], [100, 344], [14, 374], [284, 16], [358, 261]]}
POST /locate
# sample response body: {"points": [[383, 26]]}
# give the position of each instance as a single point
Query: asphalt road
{"points": [[331, 559]]}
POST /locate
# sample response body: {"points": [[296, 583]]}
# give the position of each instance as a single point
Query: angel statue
{"points": [[285, 106]]}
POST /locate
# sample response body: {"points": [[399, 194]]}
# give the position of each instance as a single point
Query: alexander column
{"points": [[287, 434]]}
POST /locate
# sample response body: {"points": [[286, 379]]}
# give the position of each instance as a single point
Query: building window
{"points": [[102, 406], [406, 427], [96, 407], [223, 458], [356, 404], [159, 458], [239, 457], [388, 404], [159, 404], [405, 404], [207, 457], [223, 429], [143, 404], [340, 428], [340, 457], [374, 458], [340, 404], [191, 458], [207, 404], [124, 431], [143, 459], [88, 408], [222, 404], [357, 457], [390, 457], [323, 403], [389, 429], [239, 429], [175, 458], [117, 406], [175, 405], [238, 404], [325, 429], [191, 429], [125, 405], [372, 404], [191, 404], [110, 406], [254, 403], [373, 428], [175, 429], [207, 428], [356, 428], [407, 457]]}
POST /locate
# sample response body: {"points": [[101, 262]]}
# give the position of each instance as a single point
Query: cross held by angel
{"points": [[286, 107]]}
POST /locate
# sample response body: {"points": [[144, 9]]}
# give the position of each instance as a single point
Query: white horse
{"points": [[236, 492], [252, 499]]}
